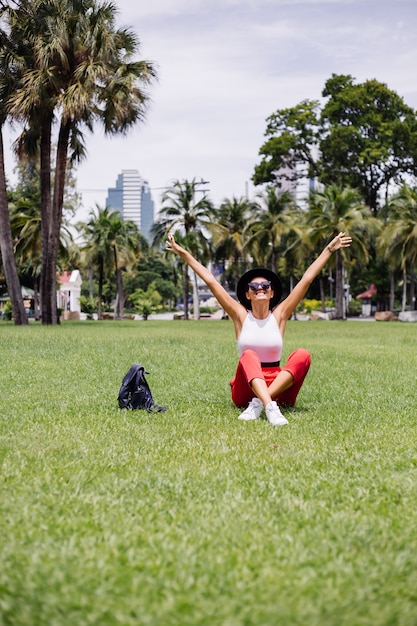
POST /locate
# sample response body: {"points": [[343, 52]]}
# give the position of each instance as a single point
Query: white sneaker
{"points": [[274, 415], [253, 410]]}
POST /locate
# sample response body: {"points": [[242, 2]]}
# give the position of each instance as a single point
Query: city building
{"points": [[297, 183], [132, 198]]}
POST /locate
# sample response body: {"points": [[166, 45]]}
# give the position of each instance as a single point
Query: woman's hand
{"points": [[172, 246], [340, 241]]}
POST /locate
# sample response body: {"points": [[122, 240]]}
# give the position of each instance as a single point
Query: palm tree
{"points": [[6, 249], [269, 223], [6, 239], [25, 219], [183, 211], [297, 248], [110, 243], [228, 233], [124, 238], [95, 246], [398, 239], [73, 68], [333, 210]]}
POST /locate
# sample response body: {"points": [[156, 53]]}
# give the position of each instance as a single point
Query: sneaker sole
{"points": [[283, 422]]}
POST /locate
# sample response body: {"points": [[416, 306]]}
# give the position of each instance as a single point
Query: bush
{"points": [[355, 308], [146, 302], [8, 311], [88, 305], [306, 306]]}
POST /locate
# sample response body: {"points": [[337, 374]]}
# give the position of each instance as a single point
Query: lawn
{"points": [[190, 517]]}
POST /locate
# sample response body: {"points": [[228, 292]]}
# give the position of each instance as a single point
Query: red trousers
{"points": [[249, 367]]}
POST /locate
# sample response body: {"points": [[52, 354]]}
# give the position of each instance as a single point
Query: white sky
{"points": [[225, 65]]}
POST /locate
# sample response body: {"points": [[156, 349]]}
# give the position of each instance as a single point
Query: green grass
{"points": [[190, 517]]}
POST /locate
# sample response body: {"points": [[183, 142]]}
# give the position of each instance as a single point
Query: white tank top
{"points": [[262, 336]]}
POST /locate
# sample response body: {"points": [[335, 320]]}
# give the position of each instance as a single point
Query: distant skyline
{"points": [[224, 66]]}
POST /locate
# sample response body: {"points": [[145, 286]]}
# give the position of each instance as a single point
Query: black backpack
{"points": [[135, 392]]}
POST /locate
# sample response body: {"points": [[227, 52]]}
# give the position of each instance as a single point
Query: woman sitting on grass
{"points": [[260, 319]]}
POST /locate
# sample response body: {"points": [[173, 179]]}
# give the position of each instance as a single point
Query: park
{"points": [[191, 517]]}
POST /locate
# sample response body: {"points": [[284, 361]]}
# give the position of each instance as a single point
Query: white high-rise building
{"points": [[132, 198]]}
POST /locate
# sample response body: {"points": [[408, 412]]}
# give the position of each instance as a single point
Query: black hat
{"points": [[248, 276]]}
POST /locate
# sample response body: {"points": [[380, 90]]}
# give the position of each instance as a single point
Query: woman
{"points": [[259, 320]]}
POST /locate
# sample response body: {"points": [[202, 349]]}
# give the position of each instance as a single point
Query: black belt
{"points": [[271, 364]]}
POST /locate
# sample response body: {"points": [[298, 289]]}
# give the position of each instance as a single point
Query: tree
{"points": [[228, 233], [72, 68], [292, 135], [96, 247], [297, 248], [146, 302], [110, 243], [370, 139], [182, 211], [6, 240], [25, 218], [271, 220], [6, 249], [364, 137], [398, 239], [332, 211], [124, 239]]}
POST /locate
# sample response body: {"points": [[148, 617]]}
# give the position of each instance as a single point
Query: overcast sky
{"points": [[224, 66]]}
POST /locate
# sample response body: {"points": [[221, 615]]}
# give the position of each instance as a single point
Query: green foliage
{"points": [[291, 133], [364, 136], [89, 72], [7, 311], [355, 308], [371, 138], [191, 517], [146, 302], [313, 305], [88, 305]]}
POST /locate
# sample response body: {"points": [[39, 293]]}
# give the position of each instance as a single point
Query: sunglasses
{"points": [[265, 285]]}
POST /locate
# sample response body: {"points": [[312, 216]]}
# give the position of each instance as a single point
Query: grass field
{"points": [[190, 517]]}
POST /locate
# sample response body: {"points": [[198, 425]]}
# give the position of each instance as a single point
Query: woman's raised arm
{"points": [[233, 308], [287, 306]]}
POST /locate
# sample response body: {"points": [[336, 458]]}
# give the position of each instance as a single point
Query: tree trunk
{"points": [[236, 272], [90, 280], [100, 288], [185, 290], [6, 250], [120, 296], [51, 214], [412, 286], [57, 204], [331, 281], [322, 295], [404, 299], [392, 290], [292, 283], [121, 291], [46, 288], [36, 299], [340, 279], [196, 303]]}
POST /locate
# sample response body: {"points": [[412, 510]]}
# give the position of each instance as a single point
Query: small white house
{"points": [[69, 291]]}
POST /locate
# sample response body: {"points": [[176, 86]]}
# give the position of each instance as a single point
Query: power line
{"points": [[200, 182]]}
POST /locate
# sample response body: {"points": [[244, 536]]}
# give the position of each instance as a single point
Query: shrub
{"points": [[88, 305], [313, 305], [146, 302], [7, 311]]}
